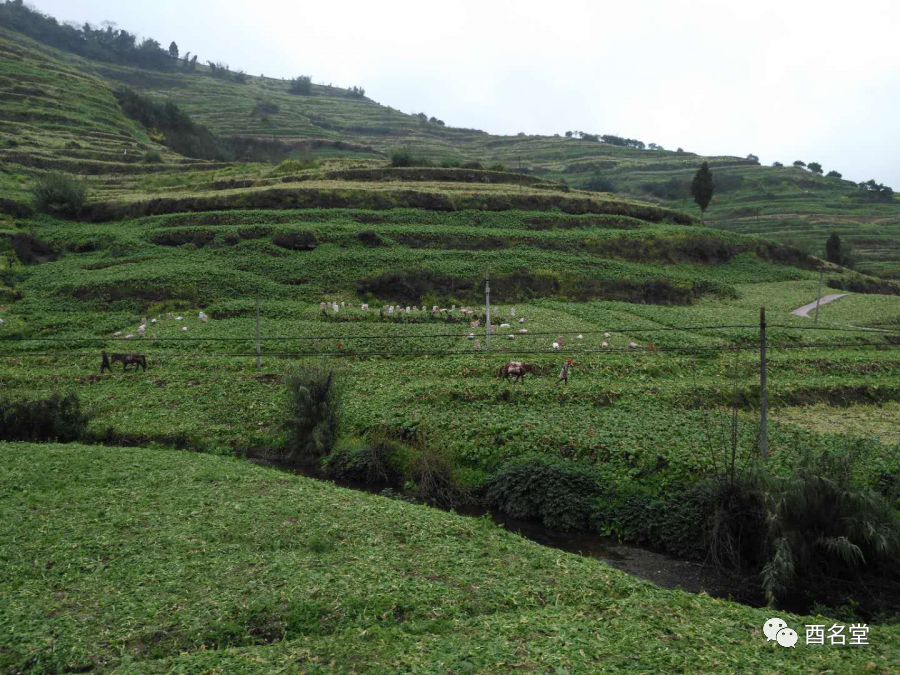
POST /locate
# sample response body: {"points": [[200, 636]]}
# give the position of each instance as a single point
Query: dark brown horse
{"points": [[125, 359], [517, 370]]}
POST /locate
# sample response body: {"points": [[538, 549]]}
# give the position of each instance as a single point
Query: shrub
{"points": [[472, 165], [301, 85], [449, 163], [370, 238], [58, 418], [9, 143], [266, 108], [296, 241], [825, 529], [314, 405], [558, 492], [152, 157], [434, 474], [370, 461], [59, 194], [30, 250], [498, 166], [401, 157], [601, 184]]}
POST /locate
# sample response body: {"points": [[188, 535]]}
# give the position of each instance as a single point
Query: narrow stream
{"points": [[663, 570]]}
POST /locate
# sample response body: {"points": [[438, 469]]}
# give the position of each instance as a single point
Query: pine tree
{"points": [[702, 187], [173, 50], [833, 252]]}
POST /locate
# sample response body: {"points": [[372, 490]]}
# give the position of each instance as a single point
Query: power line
{"points": [[394, 336], [352, 353]]}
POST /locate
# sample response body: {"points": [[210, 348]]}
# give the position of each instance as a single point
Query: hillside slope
{"points": [[790, 205], [146, 561]]}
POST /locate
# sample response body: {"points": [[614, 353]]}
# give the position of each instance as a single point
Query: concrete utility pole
{"points": [[258, 361], [819, 296], [487, 302]]}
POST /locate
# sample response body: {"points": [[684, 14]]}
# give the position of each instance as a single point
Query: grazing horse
{"points": [[516, 369], [125, 359]]}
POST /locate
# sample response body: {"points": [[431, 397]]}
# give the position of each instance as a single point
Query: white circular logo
{"points": [[786, 637], [772, 627]]}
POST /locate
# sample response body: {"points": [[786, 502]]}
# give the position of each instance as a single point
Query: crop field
{"points": [[625, 410], [313, 577], [378, 273]]}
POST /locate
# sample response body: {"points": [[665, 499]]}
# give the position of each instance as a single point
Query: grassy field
{"points": [[149, 561]]}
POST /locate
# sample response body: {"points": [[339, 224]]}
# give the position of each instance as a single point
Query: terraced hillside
{"points": [[377, 273], [789, 205]]}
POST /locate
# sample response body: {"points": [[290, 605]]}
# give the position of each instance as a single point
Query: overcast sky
{"points": [[786, 80]]}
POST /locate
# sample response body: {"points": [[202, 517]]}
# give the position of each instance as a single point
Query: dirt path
{"points": [[806, 309]]}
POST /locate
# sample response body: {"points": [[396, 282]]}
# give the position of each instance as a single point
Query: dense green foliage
{"points": [[180, 132], [825, 529], [57, 418], [105, 44], [59, 194], [558, 492], [314, 407]]}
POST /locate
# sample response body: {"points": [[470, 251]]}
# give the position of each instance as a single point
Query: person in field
{"points": [[564, 373]]}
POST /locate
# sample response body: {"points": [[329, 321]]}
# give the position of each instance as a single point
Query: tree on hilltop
{"points": [[702, 187], [833, 174], [815, 167], [800, 164], [173, 50], [777, 164], [752, 157], [301, 85]]}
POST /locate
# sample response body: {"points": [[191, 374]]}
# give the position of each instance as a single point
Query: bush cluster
{"points": [[59, 194], [58, 418], [374, 461], [558, 492]]}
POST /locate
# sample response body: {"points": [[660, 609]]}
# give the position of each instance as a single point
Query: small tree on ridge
{"points": [[702, 187]]}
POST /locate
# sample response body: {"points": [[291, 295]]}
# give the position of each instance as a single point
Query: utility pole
{"points": [[487, 302], [258, 362], [763, 396], [819, 296]]}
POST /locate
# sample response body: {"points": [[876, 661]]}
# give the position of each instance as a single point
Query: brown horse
{"points": [[516, 369], [125, 359]]}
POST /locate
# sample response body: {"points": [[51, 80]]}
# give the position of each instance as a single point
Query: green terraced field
{"points": [[179, 236]]}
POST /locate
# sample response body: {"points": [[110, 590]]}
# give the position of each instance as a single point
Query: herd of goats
{"points": [[514, 369]]}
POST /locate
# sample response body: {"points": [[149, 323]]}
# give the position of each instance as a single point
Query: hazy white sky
{"points": [[793, 79]]}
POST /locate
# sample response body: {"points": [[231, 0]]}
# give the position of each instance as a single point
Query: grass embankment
{"points": [[143, 561]]}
